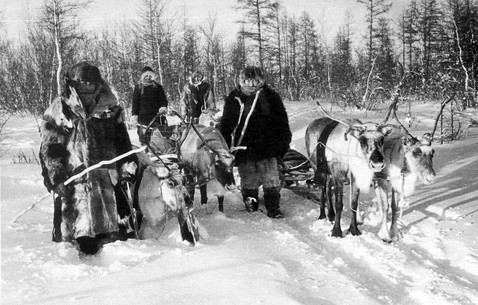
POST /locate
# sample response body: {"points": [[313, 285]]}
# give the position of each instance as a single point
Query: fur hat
{"points": [[194, 75], [152, 76], [146, 68], [84, 71], [250, 79]]}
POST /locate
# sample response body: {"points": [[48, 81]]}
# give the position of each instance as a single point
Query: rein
{"points": [[190, 124]]}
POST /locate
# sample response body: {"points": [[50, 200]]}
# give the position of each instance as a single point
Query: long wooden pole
{"points": [[89, 169]]}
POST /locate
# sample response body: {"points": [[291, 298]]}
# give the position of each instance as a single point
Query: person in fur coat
{"points": [[82, 127], [149, 99], [254, 116], [197, 97]]}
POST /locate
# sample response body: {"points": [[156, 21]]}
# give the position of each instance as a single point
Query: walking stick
{"points": [[30, 207]]}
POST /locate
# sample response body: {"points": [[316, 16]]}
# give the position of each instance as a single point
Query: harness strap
{"points": [[321, 160], [248, 117], [241, 111], [246, 121]]}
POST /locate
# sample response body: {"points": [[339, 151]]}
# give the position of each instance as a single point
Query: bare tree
{"points": [[60, 18], [154, 31], [255, 18], [375, 10], [213, 49]]}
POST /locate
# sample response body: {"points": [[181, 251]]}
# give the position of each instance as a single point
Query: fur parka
{"points": [[147, 99], [75, 137], [195, 99], [267, 133]]}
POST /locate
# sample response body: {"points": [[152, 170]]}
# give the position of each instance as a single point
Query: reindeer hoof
{"points": [[396, 236], [354, 231], [337, 233]]}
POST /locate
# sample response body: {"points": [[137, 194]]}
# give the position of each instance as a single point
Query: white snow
{"points": [[247, 258]]}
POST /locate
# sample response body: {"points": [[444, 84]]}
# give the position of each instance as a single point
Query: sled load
{"points": [[296, 167]]}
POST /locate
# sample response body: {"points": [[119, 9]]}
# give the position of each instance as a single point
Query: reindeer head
{"points": [[419, 158], [371, 137], [170, 188], [222, 168]]}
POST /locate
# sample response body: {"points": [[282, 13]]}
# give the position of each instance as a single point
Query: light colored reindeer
{"points": [[407, 161], [354, 149]]}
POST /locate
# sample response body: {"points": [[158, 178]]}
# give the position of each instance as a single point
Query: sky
{"points": [[329, 14]]}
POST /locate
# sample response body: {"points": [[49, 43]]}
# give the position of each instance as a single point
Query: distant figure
{"points": [[197, 97], [149, 99], [409, 119], [254, 116], [81, 128], [427, 139]]}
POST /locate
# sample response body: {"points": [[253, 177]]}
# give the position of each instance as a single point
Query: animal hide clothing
{"points": [[69, 145], [267, 133]]}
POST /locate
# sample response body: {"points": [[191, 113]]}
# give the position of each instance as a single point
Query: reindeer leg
{"points": [[331, 214], [353, 229], [190, 184], [394, 232], [338, 188], [203, 191], [380, 191], [322, 190], [220, 199], [359, 216]]}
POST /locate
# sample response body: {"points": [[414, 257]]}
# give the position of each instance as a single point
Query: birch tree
{"points": [[61, 20]]}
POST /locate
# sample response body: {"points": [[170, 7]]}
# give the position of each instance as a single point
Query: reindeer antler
{"points": [[407, 133], [328, 115]]}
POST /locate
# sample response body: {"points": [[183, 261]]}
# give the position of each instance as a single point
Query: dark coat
{"points": [[147, 99], [267, 134], [196, 99], [71, 143]]}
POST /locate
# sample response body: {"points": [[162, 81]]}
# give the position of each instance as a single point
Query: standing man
{"points": [[197, 97], [81, 128], [254, 116], [149, 99]]}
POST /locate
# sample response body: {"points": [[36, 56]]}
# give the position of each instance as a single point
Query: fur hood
{"points": [[147, 82]]}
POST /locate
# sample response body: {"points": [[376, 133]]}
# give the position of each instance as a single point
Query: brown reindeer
{"points": [[207, 162], [338, 149]]}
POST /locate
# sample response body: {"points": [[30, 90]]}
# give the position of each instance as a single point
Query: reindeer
{"points": [[407, 161], [159, 195], [337, 149], [210, 117], [206, 158]]}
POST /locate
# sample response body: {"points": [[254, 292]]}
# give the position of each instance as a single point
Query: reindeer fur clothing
{"points": [[72, 142], [267, 133], [148, 97], [195, 99]]}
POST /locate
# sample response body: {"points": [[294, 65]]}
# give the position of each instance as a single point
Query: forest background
{"points": [[427, 48]]}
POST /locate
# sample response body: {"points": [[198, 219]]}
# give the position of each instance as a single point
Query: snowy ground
{"points": [[249, 258]]}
